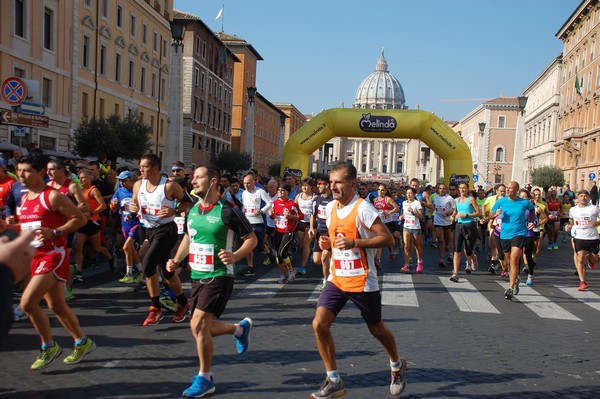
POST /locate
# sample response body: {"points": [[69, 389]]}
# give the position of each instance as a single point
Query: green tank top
{"points": [[208, 235]]}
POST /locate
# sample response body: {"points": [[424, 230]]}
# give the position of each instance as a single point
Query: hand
{"points": [[172, 265], [344, 243], [133, 207], [166, 211], [324, 242], [226, 257], [17, 254]]}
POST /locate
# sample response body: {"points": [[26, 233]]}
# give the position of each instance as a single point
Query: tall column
{"points": [[369, 149], [380, 163], [175, 132], [390, 155], [359, 155]]}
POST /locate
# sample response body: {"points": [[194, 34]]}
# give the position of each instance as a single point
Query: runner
{"points": [[464, 214], [495, 252], [442, 220], [534, 219], [6, 183], [154, 201], [355, 231], [318, 226], [304, 200], [553, 223], [386, 207], [412, 213], [53, 216], [583, 220], [514, 229], [213, 226]]}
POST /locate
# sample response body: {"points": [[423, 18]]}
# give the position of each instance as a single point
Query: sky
{"points": [[448, 55]]}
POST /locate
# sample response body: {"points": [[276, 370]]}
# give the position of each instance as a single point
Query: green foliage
{"points": [[546, 176], [275, 169], [232, 161], [113, 137]]}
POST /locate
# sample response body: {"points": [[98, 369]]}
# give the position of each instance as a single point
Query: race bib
{"points": [[33, 226], [202, 257], [180, 222], [348, 263], [410, 221], [322, 212], [281, 222], [583, 221]]}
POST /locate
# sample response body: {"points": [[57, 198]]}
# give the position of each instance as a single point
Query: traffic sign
{"points": [[475, 178], [592, 176], [14, 91], [32, 108], [18, 119], [20, 132]]}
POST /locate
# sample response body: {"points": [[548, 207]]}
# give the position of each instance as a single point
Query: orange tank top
{"points": [[349, 268], [92, 203]]}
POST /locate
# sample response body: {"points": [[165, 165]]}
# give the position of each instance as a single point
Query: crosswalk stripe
{"points": [[587, 297], [398, 289], [264, 287], [314, 295], [539, 304], [467, 298]]}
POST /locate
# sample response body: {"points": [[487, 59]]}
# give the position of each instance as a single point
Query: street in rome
{"points": [[461, 340]]}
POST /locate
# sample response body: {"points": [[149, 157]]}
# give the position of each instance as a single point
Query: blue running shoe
{"points": [[555, 246], [200, 387], [302, 270], [242, 341]]}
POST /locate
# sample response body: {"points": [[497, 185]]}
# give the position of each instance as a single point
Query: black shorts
{"points": [[91, 228], [391, 226], [507, 245], [302, 226], [315, 243], [449, 227], [212, 294], [586, 245], [369, 303], [269, 230], [564, 221]]}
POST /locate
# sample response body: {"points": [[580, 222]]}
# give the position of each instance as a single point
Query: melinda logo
{"points": [[370, 123]]}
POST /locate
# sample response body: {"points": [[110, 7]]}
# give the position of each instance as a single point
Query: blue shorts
{"points": [[131, 229], [369, 303]]}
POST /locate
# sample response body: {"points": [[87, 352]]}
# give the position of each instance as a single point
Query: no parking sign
{"points": [[14, 91]]}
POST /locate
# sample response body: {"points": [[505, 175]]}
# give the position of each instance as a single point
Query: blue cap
{"points": [[125, 175], [3, 161]]}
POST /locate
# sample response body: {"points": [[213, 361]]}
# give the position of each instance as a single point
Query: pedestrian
{"points": [[514, 229], [464, 214], [355, 231], [583, 225], [53, 216], [213, 228], [154, 201], [594, 193]]}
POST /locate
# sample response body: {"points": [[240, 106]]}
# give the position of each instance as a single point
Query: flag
{"points": [[577, 84], [220, 14]]}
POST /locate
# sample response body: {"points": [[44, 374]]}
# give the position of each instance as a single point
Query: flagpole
{"points": [[223, 18]]}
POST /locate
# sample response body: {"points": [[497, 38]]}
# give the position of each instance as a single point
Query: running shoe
{"points": [[441, 263], [200, 388], [590, 264], [405, 268], [78, 277], [69, 294], [434, 245], [141, 286], [46, 356], [564, 240], [468, 268], [242, 342], [454, 278], [181, 312], [291, 275], [154, 316], [529, 280], [503, 274], [282, 280], [166, 301], [419, 267], [516, 289], [267, 261], [398, 379], [583, 286], [139, 278], [474, 265], [18, 313], [323, 282], [508, 294], [492, 268], [555, 246], [449, 259], [79, 351], [550, 247], [330, 389], [249, 272], [525, 269], [302, 270], [127, 279]]}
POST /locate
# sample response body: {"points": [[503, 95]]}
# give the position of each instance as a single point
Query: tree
{"points": [[546, 176], [113, 137], [275, 169], [232, 161]]}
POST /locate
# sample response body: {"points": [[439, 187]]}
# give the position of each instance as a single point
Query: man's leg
{"points": [[515, 256], [325, 344]]}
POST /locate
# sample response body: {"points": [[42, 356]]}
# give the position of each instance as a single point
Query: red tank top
{"points": [[64, 188], [36, 213]]}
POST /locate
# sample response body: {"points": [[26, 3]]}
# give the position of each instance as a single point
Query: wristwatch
{"points": [[57, 232]]}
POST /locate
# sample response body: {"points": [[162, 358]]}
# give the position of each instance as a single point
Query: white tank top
{"points": [[152, 202], [306, 206]]}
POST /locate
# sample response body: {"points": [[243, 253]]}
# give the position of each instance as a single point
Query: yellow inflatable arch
{"points": [[380, 123]]}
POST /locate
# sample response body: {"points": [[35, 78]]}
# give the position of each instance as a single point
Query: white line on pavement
{"points": [[467, 298], [587, 297], [397, 289]]}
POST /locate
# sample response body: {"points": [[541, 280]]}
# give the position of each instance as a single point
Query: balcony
{"points": [[572, 133]]}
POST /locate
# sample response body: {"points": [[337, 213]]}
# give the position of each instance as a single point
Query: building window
{"points": [[131, 81], [47, 92], [101, 108], [132, 26], [19, 73], [86, 52], [102, 59], [164, 43], [48, 28], [118, 67], [19, 18], [499, 154], [196, 76], [145, 34], [195, 113], [47, 143], [143, 80], [201, 120], [119, 16], [203, 50], [155, 42], [117, 110], [501, 121], [202, 77], [153, 88], [104, 6], [84, 105], [163, 84]]}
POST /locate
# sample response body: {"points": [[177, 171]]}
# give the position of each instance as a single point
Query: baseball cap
{"points": [[125, 175]]}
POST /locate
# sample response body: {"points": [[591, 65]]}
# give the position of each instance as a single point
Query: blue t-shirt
{"points": [[514, 221]]}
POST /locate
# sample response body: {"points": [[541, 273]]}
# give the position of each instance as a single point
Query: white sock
{"points": [[206, 376], [333, 375], [239, 330], [129, 271]]}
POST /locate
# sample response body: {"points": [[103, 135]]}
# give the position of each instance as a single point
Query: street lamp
{"points": [[249, 145], [251, 93], [177, 33], [517, 168], [481, 128], [522, 103], [282, 119]]}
